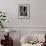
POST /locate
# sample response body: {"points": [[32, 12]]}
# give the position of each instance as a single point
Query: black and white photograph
{"points": [[24, 11]]}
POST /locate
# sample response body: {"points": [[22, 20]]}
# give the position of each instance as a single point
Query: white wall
{"points": [[37, 13]]}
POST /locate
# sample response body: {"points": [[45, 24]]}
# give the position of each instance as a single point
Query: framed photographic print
{"points": [[24, 11]]}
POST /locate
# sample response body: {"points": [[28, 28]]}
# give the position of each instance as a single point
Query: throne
{"points": [[8, 41]]}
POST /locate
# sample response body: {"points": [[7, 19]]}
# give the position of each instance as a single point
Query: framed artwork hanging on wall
{"points": [[24, 11]]}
